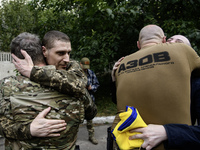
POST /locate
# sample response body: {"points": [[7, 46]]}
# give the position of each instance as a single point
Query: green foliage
{"points": [[102, 30], [50, 17], [103, 98], [104, 33], [16, 17], [182, 19]]}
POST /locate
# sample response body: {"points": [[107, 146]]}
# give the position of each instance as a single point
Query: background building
{"points": [[6, 66]]}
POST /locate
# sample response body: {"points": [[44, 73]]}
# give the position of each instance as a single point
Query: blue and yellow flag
{"points": [[130, 119]]}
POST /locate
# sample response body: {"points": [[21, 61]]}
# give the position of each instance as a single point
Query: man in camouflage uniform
{"points": [[68, 78], [22, 100]]}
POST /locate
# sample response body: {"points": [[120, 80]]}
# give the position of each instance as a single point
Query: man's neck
{"points": [[148, 44], [40, 65]]}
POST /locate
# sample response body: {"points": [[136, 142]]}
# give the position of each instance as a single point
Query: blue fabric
{"points": [[114, 138], [93, 81], [130, 120], [195, 100], [182, 136]]}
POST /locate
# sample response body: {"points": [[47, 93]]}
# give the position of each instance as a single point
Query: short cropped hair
{"points": [[31, 43], [52, 36], [151, 33]]}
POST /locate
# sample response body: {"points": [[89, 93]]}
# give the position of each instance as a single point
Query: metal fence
{"points": [[5, 56]]}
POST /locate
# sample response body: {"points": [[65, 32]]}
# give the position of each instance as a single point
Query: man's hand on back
{"points": [[24, 66], [41, 127]]}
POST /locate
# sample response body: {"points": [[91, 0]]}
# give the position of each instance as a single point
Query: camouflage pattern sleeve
{"points": [[9, 128], [90, 107], [71, 81]]}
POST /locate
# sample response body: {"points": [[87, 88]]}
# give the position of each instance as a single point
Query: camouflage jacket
{"points": [[71, 81], [21, 98]]}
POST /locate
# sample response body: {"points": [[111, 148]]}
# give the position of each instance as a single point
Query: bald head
{"points": [[179, 39], [151, 34]]}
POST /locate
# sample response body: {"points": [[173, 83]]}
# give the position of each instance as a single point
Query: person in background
{"points": [[92, 85], [153, 134]]}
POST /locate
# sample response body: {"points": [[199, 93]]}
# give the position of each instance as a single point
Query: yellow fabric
{"points": [[122, 137]]}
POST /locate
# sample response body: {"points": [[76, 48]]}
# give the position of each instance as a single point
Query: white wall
{"points": [[6, 69]]}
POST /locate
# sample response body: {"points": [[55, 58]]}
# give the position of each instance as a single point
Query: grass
{"points": [[103, 97], [106, 107]]}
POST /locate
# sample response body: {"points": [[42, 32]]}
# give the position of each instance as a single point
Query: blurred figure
{"points": [[179, 39], [92, 86]]}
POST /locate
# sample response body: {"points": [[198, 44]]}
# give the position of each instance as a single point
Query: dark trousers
{"points": [[77, 147], [2, 143]]}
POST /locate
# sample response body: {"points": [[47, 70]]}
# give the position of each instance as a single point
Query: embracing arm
{"points": [[71, 81], [39, 127], [174, 136], [90, 107], [182, 136], [10, 129]]}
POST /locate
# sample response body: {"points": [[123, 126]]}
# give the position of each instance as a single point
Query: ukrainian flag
{"points": [[130, 119]]}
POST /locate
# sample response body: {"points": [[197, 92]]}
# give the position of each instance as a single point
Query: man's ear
{"points": [[138, 45], [44, 51], [164, 39], [81, 65]]}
